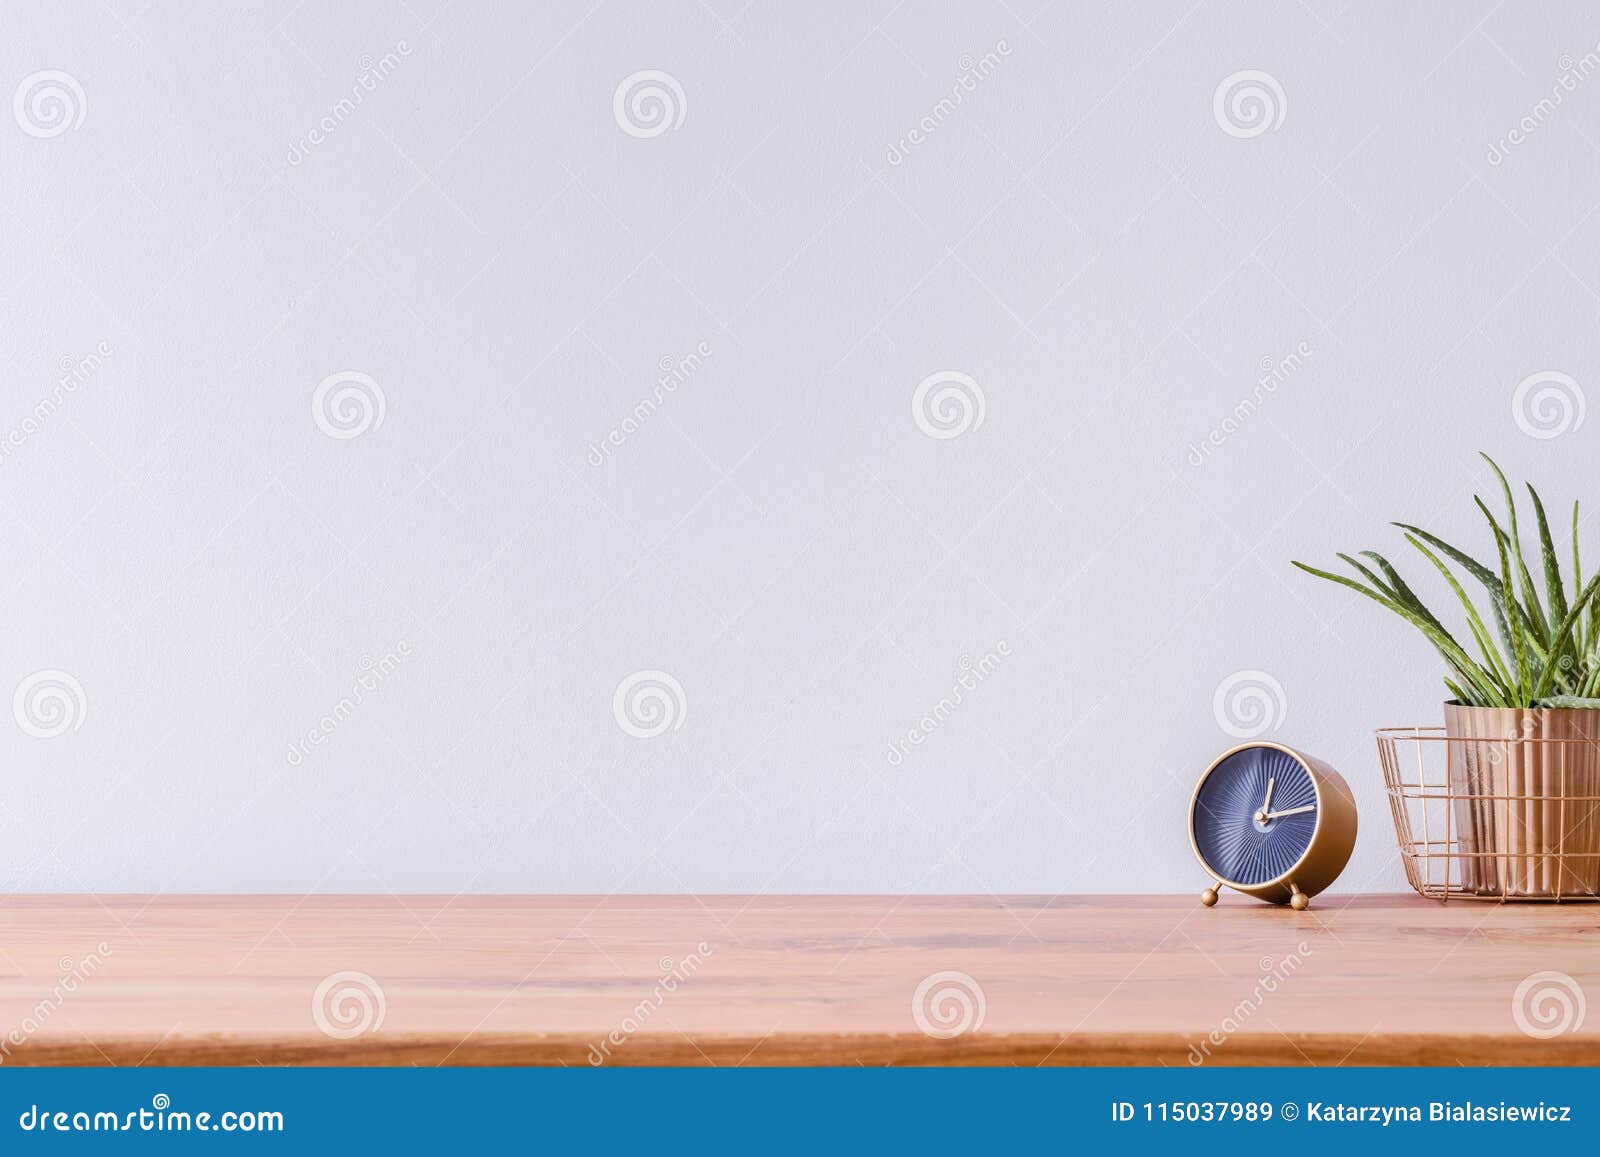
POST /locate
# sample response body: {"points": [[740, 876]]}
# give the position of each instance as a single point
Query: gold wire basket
{"points": [[1504, 805]]}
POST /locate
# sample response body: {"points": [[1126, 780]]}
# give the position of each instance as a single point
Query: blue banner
{"points": [[711, 1111]]}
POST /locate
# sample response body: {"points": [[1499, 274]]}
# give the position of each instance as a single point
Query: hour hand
{"points": [[1266, 804]]}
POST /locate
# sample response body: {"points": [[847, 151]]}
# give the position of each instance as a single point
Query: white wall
{"points": [[1081, 235]]}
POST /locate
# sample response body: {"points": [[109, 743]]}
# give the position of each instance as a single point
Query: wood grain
{"points": [[784, 980]]}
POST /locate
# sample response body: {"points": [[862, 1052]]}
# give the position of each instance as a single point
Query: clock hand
{"points": [[1266, 804], [1294, 811]]}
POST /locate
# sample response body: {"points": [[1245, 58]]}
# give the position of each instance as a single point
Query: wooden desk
{"points": [[781, 980]]}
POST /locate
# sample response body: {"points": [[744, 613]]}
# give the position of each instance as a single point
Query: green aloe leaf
{"points": [[1519, 643], [1533, 631], [1564, 649], [1403, 593], [1554, 593], [1355, 564], [1482, 681], [1544, 648], [1566, 625], [1530, 593], [1492, 659], [1477, 570], [1577, 566], [1590, 638]]}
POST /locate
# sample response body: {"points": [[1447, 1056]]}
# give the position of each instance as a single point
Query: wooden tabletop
{"points": [[733, 980]]}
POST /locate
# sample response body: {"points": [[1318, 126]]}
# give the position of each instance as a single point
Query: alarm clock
{"points": [[1271, 822]]}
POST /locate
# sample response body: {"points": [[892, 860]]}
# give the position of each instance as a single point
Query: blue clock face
{"points": [[1254, 815]]}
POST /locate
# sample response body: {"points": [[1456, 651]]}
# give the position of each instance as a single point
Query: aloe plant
{"points": [[1533, 650]]}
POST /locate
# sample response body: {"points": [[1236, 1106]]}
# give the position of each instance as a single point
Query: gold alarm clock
{"points": [[1271, 822]]}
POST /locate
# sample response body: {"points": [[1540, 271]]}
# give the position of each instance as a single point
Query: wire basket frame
{"points": [[1495, 817]]}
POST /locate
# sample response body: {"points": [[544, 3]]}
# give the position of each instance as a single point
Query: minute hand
{"points": [[1294, 811]]}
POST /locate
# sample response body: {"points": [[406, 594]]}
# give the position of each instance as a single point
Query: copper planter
{"points": [[1524, 789]]}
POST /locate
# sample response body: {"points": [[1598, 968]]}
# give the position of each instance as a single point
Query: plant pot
{"points": [[1524, 786]]}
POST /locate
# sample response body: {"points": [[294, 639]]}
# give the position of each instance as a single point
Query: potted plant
{"points": [[1523, 726]]}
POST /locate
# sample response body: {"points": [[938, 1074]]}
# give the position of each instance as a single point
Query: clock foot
{"points": [[1209, 896], [1299, 900]]}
